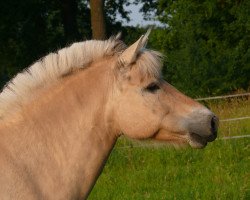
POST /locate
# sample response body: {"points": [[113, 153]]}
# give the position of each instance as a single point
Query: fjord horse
{"points": [[61, 117]]}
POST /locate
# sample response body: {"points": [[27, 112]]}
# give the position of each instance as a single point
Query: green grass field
{"points": [[220, 171]]}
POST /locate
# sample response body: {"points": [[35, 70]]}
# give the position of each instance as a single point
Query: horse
{"points": [[61, 117]]}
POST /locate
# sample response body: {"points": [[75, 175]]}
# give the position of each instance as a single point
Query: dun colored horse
{"points": [[61, 117]]}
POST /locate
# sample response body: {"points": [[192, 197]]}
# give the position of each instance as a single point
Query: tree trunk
{"points": [[69, 14], [98, 24]]}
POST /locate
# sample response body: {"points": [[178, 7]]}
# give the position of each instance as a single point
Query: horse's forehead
{"points": [[140, 75], [137, 78]]}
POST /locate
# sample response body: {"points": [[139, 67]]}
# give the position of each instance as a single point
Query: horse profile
{"points": [[61, 117]]}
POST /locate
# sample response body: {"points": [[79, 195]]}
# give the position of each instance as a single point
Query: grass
{"points": [[220, 171]]}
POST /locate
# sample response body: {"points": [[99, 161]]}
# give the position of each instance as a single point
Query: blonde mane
{"points": [[56, 65]]}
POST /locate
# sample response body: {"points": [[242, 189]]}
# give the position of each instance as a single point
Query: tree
{"points": [[69, 19], [98, 24], [104, 17], [206, 44], [31, 29]]}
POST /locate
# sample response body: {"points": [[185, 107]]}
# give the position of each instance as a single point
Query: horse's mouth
{"points": [[196, 141], [199, 142], [193, 139]]}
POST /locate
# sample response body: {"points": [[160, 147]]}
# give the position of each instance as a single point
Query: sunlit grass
{"points": [[220, 171]]}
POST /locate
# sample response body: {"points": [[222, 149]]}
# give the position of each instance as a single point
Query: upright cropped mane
{"points": [[56, 65]]}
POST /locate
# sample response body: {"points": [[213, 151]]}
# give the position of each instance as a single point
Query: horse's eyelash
{"points": [[152, 87]]}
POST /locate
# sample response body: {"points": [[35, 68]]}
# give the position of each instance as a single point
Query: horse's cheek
{"points": [[138, 122]]}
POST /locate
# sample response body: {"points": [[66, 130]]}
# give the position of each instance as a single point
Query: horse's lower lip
{"points": [[197, 141]]}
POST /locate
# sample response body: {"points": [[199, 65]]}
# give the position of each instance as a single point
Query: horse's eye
{"points": [[152, 87]]}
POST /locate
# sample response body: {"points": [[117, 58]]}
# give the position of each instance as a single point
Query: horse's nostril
{"points": [[214, 125]]}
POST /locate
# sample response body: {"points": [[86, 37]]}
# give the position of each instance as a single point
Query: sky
{"points": [[136, 18]]}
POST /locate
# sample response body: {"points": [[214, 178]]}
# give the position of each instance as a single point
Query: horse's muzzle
{"points": [[202, 126]]}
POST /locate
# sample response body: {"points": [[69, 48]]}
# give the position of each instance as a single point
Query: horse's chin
{"points": [[181, 139], [196, 141], [171, 138]]}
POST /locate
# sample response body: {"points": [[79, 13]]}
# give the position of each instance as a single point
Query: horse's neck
{"points": [[69, 140]]}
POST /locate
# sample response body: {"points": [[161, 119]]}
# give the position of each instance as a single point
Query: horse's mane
{"points": [[56, 65]]}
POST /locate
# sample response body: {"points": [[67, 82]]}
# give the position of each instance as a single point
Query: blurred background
{"points": [[206, 47], [205, 43]]}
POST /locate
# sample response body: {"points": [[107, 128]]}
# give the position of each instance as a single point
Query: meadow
{"points": [[137, 170]]}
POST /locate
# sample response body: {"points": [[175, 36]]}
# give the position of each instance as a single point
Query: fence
{"points": [[223, 97], [229, 119]]}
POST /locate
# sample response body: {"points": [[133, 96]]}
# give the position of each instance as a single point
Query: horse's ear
{"points": [[129, 55], [145, 37]]}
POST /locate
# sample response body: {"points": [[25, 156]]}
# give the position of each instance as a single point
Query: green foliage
{"points": [[29, 30], [206, 44], [33, 28]]}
